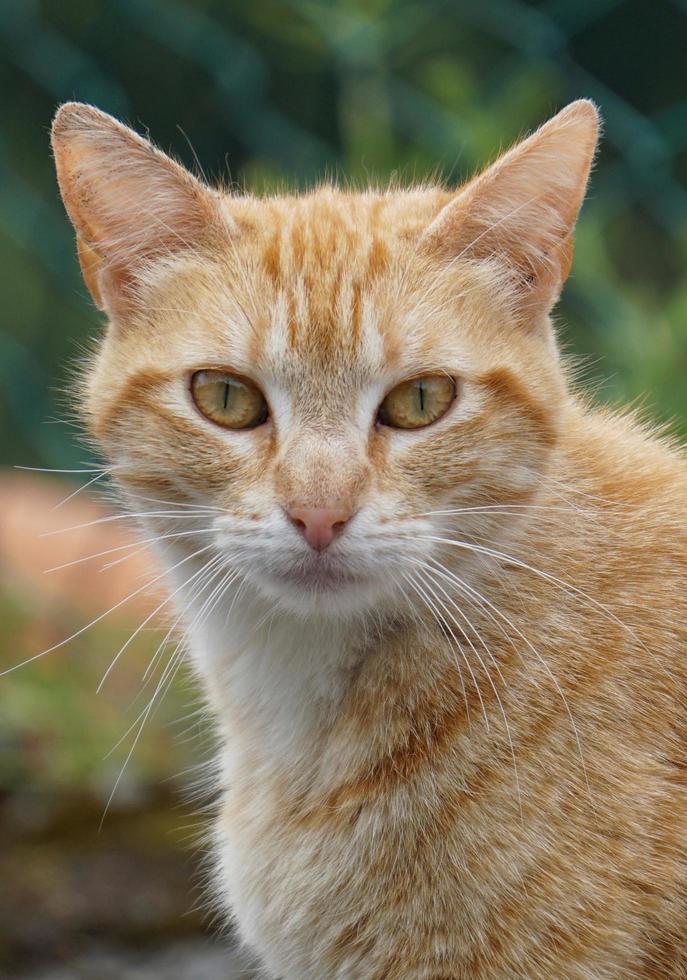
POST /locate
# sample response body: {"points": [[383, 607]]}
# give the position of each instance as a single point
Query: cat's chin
{"points": [[327, 592]]}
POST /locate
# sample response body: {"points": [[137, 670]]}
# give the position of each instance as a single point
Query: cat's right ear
{"points": [[129, 202]]}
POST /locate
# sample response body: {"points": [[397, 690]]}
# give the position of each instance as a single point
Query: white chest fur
{"points": [[275, 684]]}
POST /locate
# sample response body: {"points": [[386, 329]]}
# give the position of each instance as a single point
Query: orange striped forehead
{"points": [[325, 274], [321, 299]]}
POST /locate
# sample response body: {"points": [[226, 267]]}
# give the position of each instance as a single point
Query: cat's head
{"points": [[329, 384]]}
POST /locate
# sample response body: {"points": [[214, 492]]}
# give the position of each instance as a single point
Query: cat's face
{"points": [[330, 385]]}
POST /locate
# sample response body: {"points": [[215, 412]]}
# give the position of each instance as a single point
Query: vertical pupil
{"points": [[226, 394], [421, 391]]}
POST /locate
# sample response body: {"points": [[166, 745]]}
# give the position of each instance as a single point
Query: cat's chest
{"points": [[321, 870], [276, 863], [305, 847], [293, 863]]}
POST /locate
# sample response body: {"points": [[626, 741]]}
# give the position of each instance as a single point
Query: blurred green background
{"points": [[271, 94]]}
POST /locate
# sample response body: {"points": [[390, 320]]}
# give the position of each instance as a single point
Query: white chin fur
{"points": [[324, 598]]}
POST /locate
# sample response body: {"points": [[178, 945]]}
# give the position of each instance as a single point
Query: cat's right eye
{"points": [[229, 401]]}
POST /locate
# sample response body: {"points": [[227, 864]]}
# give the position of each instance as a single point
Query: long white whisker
{"points": [[487, 508], [205, 579], [460, 672], [118, 561], [564, 586], [213, 568], [176, 659], [564, 488], [98, 619], [156, 656], [233, 602], [85, 486], [215, 598], [138, 718], [150, 616], [49, 469], [181, 505], [484, 668], [469, 590], [440, 619], [169, 672], [123, 547], [126, 517]]}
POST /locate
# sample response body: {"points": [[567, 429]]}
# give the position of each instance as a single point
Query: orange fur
{"points": [[470, 762]]}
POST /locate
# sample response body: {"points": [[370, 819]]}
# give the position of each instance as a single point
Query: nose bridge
{"points": [[318, 470]]}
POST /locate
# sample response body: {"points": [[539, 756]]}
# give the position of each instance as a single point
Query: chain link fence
{"points": [[288, 92]]}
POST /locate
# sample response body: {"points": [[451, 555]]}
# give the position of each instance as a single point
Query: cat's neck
{"points": [[273, 677]]}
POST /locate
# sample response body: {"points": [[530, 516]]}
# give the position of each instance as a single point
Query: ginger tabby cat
{"points": [[437, 598]]}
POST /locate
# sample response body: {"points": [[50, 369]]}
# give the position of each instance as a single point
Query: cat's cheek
{"points": [[156, 451]]}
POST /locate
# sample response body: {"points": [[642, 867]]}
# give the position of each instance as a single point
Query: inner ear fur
{"points": [[521, 211], [128, 201]]}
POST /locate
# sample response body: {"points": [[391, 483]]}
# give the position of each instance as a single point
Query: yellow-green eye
{"points": [[232, 402], [418, 402]]}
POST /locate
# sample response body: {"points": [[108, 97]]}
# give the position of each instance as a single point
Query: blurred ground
{"points": [[79, 899], [193, 960]]}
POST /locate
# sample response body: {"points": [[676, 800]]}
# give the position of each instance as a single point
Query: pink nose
{"points": [[319, 525]]}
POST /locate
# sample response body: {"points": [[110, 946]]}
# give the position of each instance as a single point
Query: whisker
{"points": [[440, 620], [468, 590], [147, 619], [562, 488], [488, 508], [238, 592], [156, 656], [204, 581], [166, 679], [484, 668], [210, 508], [564, 586], [133, 725], [98, 619], [216, 597], [169, 672], [418, 619], [50, 469], [85, 486], [126, 517], [124, 547], [211, 570], [118, 561]]}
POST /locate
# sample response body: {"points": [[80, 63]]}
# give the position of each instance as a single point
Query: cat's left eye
{"points": [[227, 400], [419, 402]]}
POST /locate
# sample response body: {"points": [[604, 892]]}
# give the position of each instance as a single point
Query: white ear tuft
{"points": [[128, 201], [522, 210]]}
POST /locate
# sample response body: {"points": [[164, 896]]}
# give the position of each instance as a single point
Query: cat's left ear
{"points": [[129, 202], [520, 213]]}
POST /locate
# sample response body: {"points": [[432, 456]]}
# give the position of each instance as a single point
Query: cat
{"points": [[435, 595]]}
